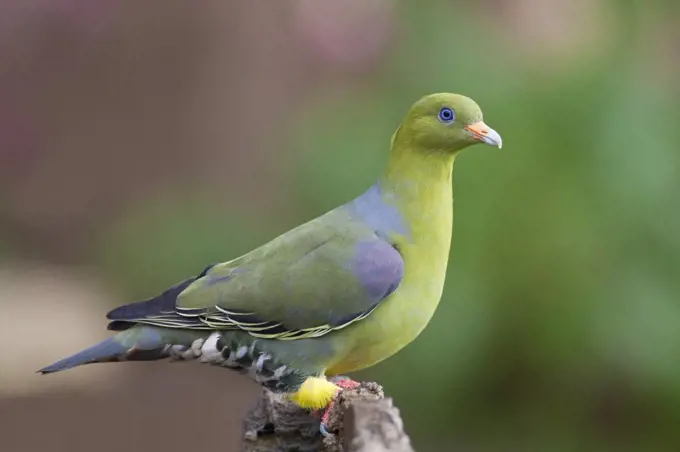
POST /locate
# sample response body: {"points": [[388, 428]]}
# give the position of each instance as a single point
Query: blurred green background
{"points": [[140, 142]]}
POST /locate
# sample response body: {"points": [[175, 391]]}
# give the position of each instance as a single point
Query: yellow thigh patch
{"points": [[315, 393]]}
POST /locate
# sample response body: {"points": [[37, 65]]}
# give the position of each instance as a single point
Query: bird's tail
{"points": [[139, 343]]}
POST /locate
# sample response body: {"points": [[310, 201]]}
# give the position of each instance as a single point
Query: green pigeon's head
{"points": [[445, 122]]}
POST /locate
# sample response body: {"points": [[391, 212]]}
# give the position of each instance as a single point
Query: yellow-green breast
{"points": [[419, 187]]}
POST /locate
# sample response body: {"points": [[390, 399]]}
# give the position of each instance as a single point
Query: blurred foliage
{"points": [[558, 329], [175, 236]]}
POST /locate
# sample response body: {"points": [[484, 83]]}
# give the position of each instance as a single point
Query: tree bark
{"points": [[362, 420]]}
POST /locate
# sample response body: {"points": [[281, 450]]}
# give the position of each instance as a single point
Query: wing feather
{"points": [[317, 278]]}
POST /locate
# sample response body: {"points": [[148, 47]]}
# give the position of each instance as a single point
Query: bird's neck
{"points": [[420, 182]]}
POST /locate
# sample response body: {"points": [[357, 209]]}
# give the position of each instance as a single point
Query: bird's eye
{"points": [[446, 115]]}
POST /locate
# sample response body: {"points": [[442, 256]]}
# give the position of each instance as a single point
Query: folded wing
{"points": [[306, 283]]}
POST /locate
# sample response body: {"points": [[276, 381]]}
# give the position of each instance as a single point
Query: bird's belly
{"points": [[393, 325]]}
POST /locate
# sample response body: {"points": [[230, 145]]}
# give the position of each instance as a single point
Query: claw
{"points": [[346, 383], [343, 383]]}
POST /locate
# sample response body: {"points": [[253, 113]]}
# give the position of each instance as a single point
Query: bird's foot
{"points": [[342, 383]]}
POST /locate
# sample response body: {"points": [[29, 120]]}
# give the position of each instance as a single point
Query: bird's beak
{"points": [[484, 133]]}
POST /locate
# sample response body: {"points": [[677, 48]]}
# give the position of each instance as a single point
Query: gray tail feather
{"points": [[108, 350]]}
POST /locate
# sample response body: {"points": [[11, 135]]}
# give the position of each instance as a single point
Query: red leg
{"points": [[327, 414]]}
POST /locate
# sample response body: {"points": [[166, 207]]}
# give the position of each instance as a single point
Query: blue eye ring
{"points": [[446, 115]]}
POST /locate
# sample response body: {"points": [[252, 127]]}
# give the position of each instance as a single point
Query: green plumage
{"points": [[309, 267]]}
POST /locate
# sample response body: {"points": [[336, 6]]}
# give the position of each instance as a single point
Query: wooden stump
{"points": [[362, 420]]}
